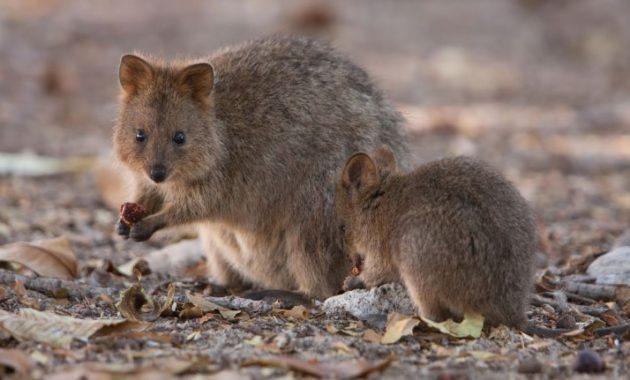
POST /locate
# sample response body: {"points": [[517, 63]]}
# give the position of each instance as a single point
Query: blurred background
{"points": [[540, 88]]}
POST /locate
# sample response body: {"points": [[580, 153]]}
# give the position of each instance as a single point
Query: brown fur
{"points": [[454, 231], [268, 125]]}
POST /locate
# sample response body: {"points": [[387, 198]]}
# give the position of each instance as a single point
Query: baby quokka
{"points": [[455, 232]]}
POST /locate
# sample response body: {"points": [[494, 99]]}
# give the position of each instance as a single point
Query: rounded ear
{"points": [[385, 160], [359, 174], [197, 80], [135, 74]]}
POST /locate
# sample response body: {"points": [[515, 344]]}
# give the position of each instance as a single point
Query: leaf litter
{"points": [[58, 330], [566, 150], [50, 258]]}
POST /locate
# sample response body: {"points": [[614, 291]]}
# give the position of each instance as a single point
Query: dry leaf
{"points": [[470, 327], [297, 312], [257, 340], [167, 307], [18, 363], [372, 336], [190, 311], [485, 355], [23, 297], [348, 369], [136, 305], [57, 330], [331, 328], [207, 306], [158, 368], [50, 258], [342, 347], [398, 326]]}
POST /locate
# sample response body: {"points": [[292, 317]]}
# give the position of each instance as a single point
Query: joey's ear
{"points": [[385, 160], [359, 173], [197, 80], [135, 74]]}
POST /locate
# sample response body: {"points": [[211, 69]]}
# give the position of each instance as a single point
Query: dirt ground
{"points": [[539, 88]]}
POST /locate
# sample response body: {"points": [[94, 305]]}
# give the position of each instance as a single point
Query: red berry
{"points": [[131, 213]]}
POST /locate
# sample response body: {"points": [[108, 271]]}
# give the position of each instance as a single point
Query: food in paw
{"points": [[131, 213]]}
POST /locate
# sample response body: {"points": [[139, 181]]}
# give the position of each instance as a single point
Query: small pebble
{"points": [[548, 308], [566, 321], [588, 361], [529, 365]]}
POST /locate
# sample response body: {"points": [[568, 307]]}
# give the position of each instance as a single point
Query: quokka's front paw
{"points": [[142, 230], [122, 228]]}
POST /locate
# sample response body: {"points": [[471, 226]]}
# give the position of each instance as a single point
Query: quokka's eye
{"points": [[342, 228], [179, 138], [140, 135]]}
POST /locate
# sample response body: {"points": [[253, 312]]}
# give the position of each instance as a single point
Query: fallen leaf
{"points": [[16, 362], [190, 311], [40, 358], [49, 258], [297, 312], [157, 368], [23, 297], [470, 327], [342, 347], [167, 308], [610, 317], [350, 332], [398, 326], [193, 336], [331, 328], [58, 330], [254, 341], [136, 305], [372, 336], [3, 293], [348, 369], [207, 306], [485, 355]]}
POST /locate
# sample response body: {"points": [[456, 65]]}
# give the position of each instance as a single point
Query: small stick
{"points": [[579, 298], [617, 330], [47, 286], [597, 292]]}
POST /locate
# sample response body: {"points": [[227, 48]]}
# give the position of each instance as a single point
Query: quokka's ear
{"points": [[197, 80], [135, 74], [385, 160], [359, 174]]}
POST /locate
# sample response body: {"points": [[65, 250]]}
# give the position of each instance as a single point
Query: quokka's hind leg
{"points": [[428, 303]]}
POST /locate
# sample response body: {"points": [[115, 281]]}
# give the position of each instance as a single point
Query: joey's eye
{"points": [[140, 135], [179, 138], [342, 228]]}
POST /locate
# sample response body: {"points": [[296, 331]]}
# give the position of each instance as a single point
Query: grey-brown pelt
{"points": [[454, 231], [268, 125]]}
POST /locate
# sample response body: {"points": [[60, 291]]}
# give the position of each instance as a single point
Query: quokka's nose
{"points": [[158, 173]]}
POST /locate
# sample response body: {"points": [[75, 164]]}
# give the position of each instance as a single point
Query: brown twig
{"points": [[617, 330], [562, 306], [48, 285], [594, 291], [578, 298]]}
